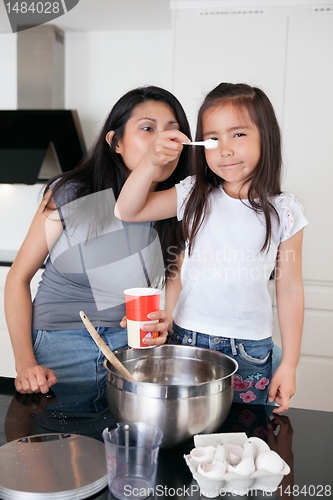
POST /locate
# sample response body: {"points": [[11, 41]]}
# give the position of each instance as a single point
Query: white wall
{"points": [[102, 66], [308, 131], [248, 48]]}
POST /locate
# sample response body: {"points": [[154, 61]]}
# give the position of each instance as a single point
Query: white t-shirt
{"points": [[225, 279]]}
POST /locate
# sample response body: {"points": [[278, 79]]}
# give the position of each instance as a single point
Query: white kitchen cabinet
{"points": [[210, 49], [308, 131]]}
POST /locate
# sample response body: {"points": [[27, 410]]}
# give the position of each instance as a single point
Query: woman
{"points": [[93, 256]]}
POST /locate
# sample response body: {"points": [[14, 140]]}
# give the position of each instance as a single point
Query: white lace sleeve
{"points": [[291, 215], [183, 190]]}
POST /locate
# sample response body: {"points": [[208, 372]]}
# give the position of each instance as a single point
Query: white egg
{"points": [[235, 453], [250, 450], [270, 461], [259, 444], [203, 454], [213, 470], [244, 468], [221, 453]]}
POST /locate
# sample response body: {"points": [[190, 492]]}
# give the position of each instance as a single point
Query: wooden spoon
{"points": [[105, 349]]}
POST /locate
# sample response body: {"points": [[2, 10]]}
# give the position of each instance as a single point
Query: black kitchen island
{"points": [[303, 438]]}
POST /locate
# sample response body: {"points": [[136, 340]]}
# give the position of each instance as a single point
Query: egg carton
{"points": [[229, 481]]}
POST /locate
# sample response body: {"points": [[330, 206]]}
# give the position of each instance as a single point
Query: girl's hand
{"points": [[161, 327], [283, 387], [35, 378], [136, 201], [166, 147]]}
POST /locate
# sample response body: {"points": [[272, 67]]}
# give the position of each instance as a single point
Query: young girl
{"points": [[239, 227], [95, 257]]}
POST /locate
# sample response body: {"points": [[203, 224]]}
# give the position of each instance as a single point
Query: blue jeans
{"points": [[254, 358], [75, 358], [276, 357]]}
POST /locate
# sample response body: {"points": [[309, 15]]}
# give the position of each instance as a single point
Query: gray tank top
{"points": [[89, 268]]}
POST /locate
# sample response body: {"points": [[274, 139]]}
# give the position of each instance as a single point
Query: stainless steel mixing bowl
{"points": [[183, 390]]}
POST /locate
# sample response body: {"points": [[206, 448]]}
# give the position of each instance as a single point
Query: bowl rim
{"points": [[155, 390]]}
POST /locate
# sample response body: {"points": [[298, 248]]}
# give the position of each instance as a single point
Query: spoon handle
{"points": [[208, 143], [198, 143], [105, 349]]}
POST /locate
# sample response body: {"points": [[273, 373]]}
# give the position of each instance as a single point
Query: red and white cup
{"points": [[139, 303]]}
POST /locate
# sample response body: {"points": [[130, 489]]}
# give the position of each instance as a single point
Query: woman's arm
{"points": [[135, 203], [18, 305], [290, 307]]}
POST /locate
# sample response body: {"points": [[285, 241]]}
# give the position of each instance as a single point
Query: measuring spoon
{"points": [[209, 143]]}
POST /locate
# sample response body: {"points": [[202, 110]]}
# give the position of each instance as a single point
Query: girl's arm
{"points": [[135, 203], [18, 305], [290, 307]]}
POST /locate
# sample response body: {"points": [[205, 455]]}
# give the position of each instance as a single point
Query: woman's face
{"points": [[146, 121], [238, 152]]}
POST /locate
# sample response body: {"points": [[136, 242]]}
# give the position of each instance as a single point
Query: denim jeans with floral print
{"points": [[254, 358]]}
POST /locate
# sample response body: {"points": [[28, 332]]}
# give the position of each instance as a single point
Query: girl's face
{"points": [[146, 121], [238, 151]]}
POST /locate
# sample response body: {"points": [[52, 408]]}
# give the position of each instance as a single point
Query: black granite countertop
{"points": [[303, 438]]}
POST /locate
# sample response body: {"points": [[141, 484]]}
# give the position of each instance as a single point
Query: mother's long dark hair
{"points": [[103, 168], [265, 181]]}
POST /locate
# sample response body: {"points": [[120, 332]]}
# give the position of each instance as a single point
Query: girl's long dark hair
{"points": [[102, 168], [265, 181]]}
